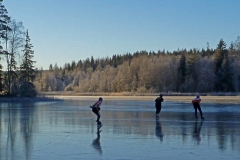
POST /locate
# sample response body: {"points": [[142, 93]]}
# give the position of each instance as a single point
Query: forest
{"points": [[17, 70], [182, 71]]}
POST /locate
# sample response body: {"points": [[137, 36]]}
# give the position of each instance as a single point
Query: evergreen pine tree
{"points": [[27, 72], [181, 71], [50, 68], [4, 29], [191, 72], [1, 67], [237, 44], [79, 65], [93, 63], [220, 53], [1, 79], [227, 76]]}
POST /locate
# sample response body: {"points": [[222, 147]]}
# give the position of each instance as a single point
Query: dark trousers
{"points": [[197, 107], [95, 110], [158, 109]]}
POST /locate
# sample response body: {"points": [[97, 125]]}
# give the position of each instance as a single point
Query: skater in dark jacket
{"points": [[96, 108], [196, 104], [158, 105]]}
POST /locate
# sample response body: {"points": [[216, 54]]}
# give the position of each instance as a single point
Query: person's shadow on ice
{"points": [[196, 131], [96, 142], [158, 131]]}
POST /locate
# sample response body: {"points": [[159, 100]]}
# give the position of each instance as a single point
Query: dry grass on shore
{"points": [[172, 97], [71, 93], [186, 99]]}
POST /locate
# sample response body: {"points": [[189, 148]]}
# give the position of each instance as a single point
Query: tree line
{"points": [[194, 70], [16, 53]]}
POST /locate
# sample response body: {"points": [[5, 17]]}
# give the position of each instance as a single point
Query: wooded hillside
{"points": [[205, 70]]}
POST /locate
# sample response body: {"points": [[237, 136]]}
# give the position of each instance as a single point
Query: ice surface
{"points": [[67, 130]]}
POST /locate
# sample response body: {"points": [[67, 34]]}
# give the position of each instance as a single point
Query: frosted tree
{"points": [[16, 41]]}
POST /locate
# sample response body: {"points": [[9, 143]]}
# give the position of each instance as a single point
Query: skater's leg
{"points": [[157, 109], [195, 108], [95, 111], [160, 108], [200, 110], [157, 112], [98, 117]]}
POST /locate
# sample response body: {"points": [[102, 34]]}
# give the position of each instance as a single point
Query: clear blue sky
{"points": [[65, 30]]}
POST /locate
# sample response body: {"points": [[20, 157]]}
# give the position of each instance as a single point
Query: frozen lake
{"points": [[67, 130]]}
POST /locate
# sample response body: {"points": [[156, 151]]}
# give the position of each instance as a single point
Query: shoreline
{"points": [[186, 98], [69, 93], [26, 99]]}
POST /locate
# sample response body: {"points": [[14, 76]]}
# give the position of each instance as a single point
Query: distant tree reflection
{"points": [[27, 124], [15, 114], [222, 129], [11, 134]]}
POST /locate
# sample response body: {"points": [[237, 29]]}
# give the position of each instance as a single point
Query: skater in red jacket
{"points": [[196, 104]]}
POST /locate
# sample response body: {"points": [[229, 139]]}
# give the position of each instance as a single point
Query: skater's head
{"points": [[197, 96], [100, 99], [160, 95]]}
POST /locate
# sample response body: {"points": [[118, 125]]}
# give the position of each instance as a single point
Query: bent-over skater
{"points": [[96, 109], [196, 104]]}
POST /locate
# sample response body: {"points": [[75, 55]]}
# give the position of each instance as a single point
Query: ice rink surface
{"points": [[67, 130]]}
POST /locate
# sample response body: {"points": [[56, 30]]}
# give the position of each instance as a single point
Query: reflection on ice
{"points": [[96, 142], [159, 133], [67, 130], [197, 130]]}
